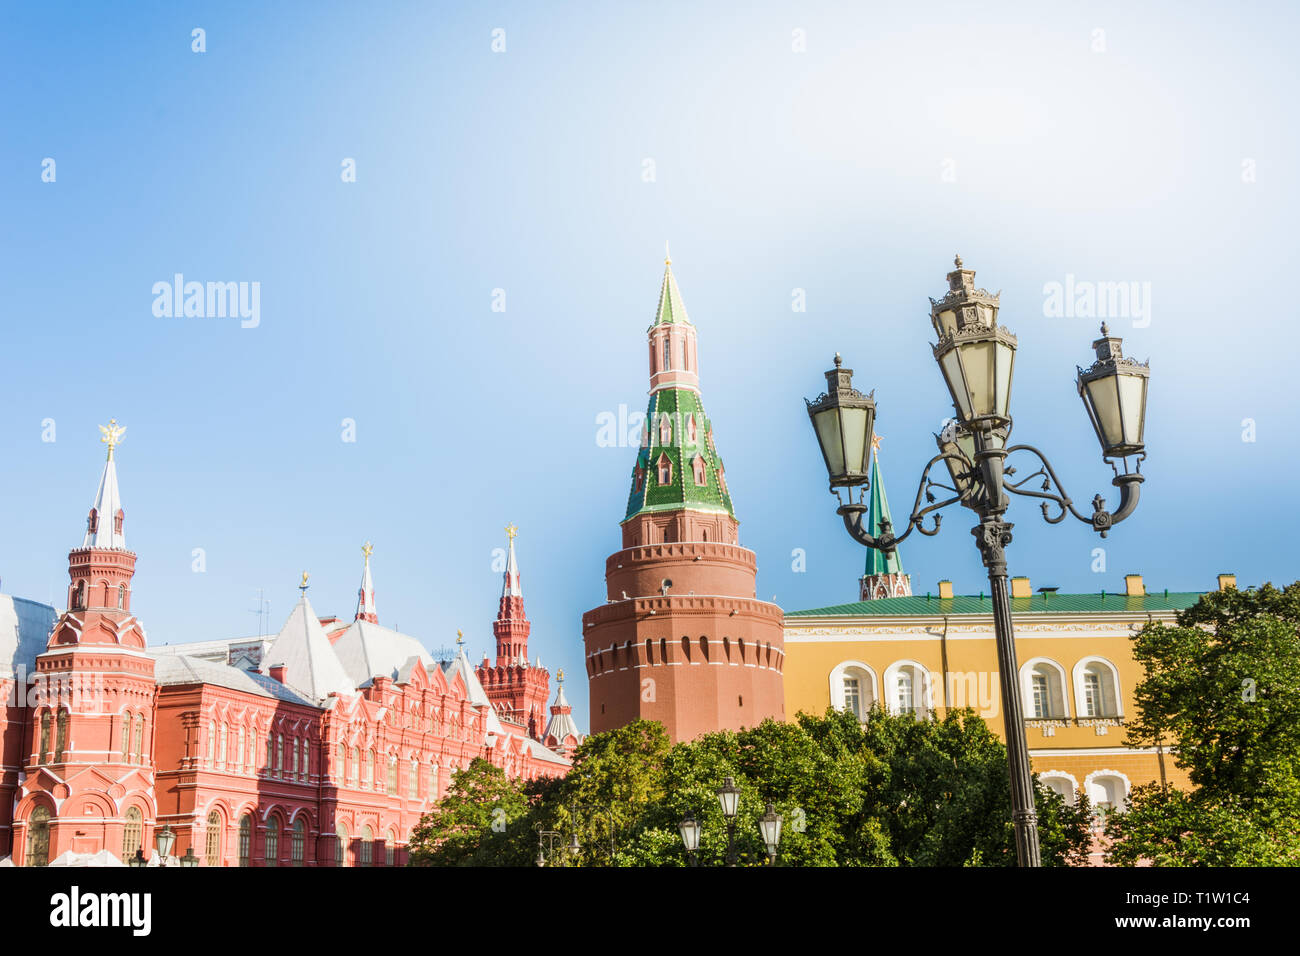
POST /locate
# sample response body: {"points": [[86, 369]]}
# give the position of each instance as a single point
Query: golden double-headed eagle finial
{"points": [[111, 435], [559, 675], [367, 549], [511, 531], [460, 636]]}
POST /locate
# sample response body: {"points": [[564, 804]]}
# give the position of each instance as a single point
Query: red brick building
{"points": [[319, 747], [682, 637]]}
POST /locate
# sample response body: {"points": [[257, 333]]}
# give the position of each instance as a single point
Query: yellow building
{"points": [[937, 651]]}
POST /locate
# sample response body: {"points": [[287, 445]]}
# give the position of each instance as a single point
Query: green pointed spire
{"points": [[877, 561], [671, 310], [677, 466]]}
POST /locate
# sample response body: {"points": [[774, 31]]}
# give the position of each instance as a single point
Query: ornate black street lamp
{"points": [[769, 824], [729, 798], [690, 831], [976, 357]]}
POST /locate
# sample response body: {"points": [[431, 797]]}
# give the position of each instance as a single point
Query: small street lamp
{"points": [[769, 824], [189, 859], [164, 840], [729, 797], [977, 357], [546, 845], [690, 830], [138, 859]]}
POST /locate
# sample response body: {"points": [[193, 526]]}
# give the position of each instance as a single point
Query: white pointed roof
{"points": [[368, 650], [366, 593], [311, 666], [108, 502], [510, 585], [561, 724]]}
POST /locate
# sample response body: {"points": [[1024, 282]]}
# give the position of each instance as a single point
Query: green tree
{"points": [[1222, 686], [475, 822]]}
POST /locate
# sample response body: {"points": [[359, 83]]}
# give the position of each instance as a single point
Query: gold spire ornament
{"points": [[367, 549], [668, 259], [302, 585], [559, 675], [111, 435], [460, 636], [511, 531]]}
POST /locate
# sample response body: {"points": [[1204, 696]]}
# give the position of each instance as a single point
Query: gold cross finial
{"points": [[111, 435], [367, 549], [511, 531], [302, 585]]}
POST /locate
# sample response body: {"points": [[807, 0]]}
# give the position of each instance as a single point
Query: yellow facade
{"points": [[1077, 675]]}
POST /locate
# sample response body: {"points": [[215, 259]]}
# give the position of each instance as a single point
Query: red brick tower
{"points": [[89, 764], [682, 638], [518, 690]]}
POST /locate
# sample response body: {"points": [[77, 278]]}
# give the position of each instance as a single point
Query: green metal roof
{"points": [[877, 561], [1096, 603]]}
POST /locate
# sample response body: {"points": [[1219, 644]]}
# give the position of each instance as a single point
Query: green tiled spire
{"points": [[877, 561], [680, 405], [677, 432], [671, 311]]}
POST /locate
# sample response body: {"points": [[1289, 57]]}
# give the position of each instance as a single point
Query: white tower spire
{"points": [[366, 593]]}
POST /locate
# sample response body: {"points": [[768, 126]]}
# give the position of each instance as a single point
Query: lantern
{"points": [[844, 419]]}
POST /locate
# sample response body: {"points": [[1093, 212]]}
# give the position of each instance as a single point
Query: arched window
{"points": [[691, 431], [270, 752], [367, 847], [221, 746], [390, 848], [392, 774], [1062, 783], [272, 854], [293, 751], [245, 839], [132, 833], [908, 689], [853, 688], [139, 738], [433, 783], [79, 596], [1107, 791], [121, 596], [279, 753], [665, 469], [1096, 688], [212, 741], [355, 771], [413, 785], [299, 840], [340, 769], [668, 353], [126, 738], [853, 696], [1042, 685], [38, 837], [44, 751], [213, 849], [239, 751], [368, 780], [665, 428], [341, 841]]}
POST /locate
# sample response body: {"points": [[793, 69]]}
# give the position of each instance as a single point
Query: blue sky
{"points": [[1157, 151]]}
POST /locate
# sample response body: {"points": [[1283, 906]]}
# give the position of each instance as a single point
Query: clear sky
{"points": [[850, 160]]}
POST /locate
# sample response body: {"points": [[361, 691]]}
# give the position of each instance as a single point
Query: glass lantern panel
{"points": [[828, 434], [1006, 359], [1132, 402], [1104, 398], [978, 360], [854, 422], [951, 366]]}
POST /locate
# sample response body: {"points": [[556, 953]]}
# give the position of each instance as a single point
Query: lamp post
{"points": [[769, 824], [546, 845], [976, 357], [690, 831], [729, 798], [164, 840]]}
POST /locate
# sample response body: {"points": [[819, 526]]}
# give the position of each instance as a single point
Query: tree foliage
{"points": [[1221, 687], [891, 790]]}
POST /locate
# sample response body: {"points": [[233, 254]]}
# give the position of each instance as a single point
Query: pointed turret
{"points": [[366, 593], [518, 690], [104, 523], [561, 732], [884, 575], [678, 467]]}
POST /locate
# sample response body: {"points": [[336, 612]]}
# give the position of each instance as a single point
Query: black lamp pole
{"points": [[976, 357]]}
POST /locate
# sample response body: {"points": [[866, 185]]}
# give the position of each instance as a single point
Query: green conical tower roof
{"points": [[677, 433], [877, 561]]}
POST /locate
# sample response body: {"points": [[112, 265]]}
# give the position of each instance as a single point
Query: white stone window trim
{"points": [[1077, 675], [868, 694], [1089, 780], [1063, 775], [922, 697], [1027, 687]]}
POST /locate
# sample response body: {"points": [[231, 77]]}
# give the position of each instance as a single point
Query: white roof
{"points": [[311, 666], [367, 651], [24, 629], [108, 502], [178, 669], [477, 695], [562, 725]]}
